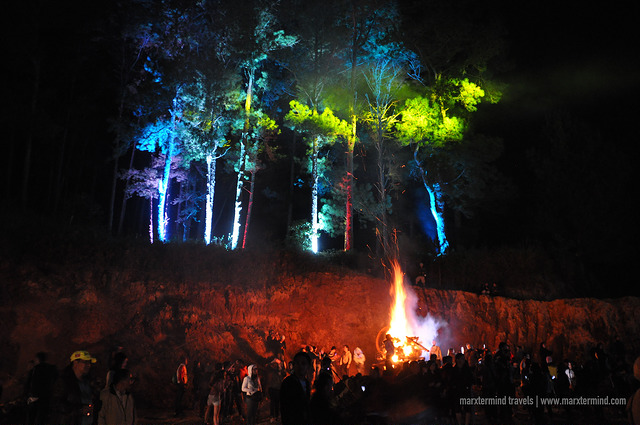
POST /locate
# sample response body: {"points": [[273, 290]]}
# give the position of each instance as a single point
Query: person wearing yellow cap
{"points": [[75, 395]]}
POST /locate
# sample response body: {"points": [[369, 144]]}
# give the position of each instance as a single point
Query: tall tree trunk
{"points": [[291, 181], [114, 178], [59, 179], [314, 197], [178, 226], [8, 168], [351, 143], [123, 207], [163, 188], [436, 205], [383, 230], [26, 171], [211, 187], [351, 140], [235, 234], [112, 197], [151, 233], [252, 186]]}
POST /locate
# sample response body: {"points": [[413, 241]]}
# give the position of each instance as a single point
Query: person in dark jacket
{"points": [[295, 392], [42, 379], [322, 409], [75, 396]]}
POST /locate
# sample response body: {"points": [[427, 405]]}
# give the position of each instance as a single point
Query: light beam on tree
{"points": [[427, 125]]}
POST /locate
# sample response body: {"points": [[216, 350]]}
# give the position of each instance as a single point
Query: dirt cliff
{"points": [[224, 309]]}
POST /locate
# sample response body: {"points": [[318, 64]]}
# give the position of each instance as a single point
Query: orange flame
{"points": [[409, 331], [399, 326]]}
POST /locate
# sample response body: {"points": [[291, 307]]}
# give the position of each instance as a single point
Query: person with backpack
{"points": [[180, 379]]}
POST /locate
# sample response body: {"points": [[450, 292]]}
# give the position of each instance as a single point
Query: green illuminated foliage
{"points": [[305, 120], [424, 122], [470, 94], [428, 121]]}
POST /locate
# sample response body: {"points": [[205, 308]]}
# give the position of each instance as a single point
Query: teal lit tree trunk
{"points": [[436, 206], [163, 187], [242, 165], [151, 232], [235, 232], [314, 197], [211, 185]]}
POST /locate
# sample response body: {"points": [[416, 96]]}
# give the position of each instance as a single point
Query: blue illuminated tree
{"points": [[161, 136], [428, 124], [171, 38]]}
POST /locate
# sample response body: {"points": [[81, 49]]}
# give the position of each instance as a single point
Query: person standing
{"points": [[118, 407], [120, 361], [295, 392], [74, 395], [214, 400], [252, 389], [436, 350], [345, 361], [421, 279], [359, 359], [390, 350], [181, 379], [276, 373], [40, 390]]}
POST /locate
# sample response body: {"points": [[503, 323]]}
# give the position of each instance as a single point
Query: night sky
{"points": [[579, 61]]}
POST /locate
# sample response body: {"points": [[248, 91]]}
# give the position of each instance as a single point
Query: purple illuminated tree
{"points": [[144, 183], [171, 38]]}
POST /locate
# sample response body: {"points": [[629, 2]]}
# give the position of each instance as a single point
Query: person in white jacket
{"points": [[118, 407], [359, 359], [252, 389]]}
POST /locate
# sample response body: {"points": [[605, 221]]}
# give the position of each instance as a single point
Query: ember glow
{"points": [[405, 323]]}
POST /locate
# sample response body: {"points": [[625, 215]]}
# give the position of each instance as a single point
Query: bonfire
{"points": [[410, 332]]}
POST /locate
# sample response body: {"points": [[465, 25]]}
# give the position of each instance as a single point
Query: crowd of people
{"points": [[332, 387], [72, 397]]}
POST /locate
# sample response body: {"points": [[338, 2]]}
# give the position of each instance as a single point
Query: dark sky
{"points": [[580, 60]]}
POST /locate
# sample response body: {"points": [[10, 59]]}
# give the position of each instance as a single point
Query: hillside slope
{"points": [[224, 308]]}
